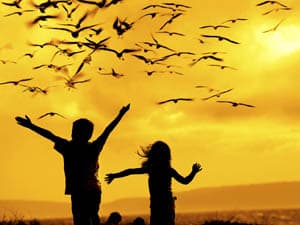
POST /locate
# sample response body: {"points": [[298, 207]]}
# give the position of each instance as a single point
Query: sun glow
{"points": [[284, 41]]}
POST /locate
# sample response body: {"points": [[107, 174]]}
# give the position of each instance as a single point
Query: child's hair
{"points": [[157, 153], [82, 129]]}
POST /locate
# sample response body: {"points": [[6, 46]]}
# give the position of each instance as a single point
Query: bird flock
{"points": [[73, 19]]}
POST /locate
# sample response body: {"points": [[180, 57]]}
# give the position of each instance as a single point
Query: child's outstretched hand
{"points": [[25, 122], [124, 109], [196, 167], [109, 178]]}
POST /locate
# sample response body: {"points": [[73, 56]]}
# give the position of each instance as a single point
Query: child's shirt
{"points": [[80, 165]]}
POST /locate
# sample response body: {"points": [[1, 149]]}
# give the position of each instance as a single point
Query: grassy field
{"points": [[253, 217]]}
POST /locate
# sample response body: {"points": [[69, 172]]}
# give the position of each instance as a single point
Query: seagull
{"points": [[15, 3], [170, 33], [74, 33], [234, 20], [113, 73], [175, 100], [276, 10], [205, 57], [223, 66], [43, 18], [16, 82], [220, 38], [235, 104], [51, 114], [274, 28], [119, 54], [19, 13], [170, 20], [214, 27], [217, 94], [270, 2]]}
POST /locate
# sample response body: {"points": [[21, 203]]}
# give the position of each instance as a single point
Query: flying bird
{"points": [[43, 18], [235, 104], [175, 100], [4, 61], [78, 24], [113, 2], [206, 87], [19, 13], [36, 89], [170, 33], [220, 38], [119, 54], [15, 3], [70, 82], [28, 54], [205, 57], [143, 58], [113, 73], [234, 20], [86, 60], [100, 4], [274, 28], [49, 3], [51, 114], [271, 2], [70, 12], [152, 15], [157, 44], [215, 27], [68, 52], [74, 33], [49, 43], [222, 67], [169, 21], [276, 10], [121, 26], [176, 5], [16, 82], [157, 6], [217, 94]]}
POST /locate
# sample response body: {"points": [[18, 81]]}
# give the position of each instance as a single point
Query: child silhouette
{"points": [[158, 167], [80, 164]]}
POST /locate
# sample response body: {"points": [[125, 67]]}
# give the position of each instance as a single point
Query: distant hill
{"points": [[19, 209], [245, 197]]}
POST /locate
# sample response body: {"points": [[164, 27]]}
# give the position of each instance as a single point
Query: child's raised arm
{"points": [[26, 122], [186, 180], [100, 141], [111, 176]]}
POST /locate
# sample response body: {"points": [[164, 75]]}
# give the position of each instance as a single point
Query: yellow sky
{"points": [[238, 145]]}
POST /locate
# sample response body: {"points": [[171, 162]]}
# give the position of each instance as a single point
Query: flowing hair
{"points": [[157, 154]]}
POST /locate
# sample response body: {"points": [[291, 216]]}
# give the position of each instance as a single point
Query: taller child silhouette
{"points": [[80, 164]]}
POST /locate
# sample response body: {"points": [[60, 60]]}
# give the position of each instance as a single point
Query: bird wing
{"points": [[232, 41], [42, 116], [246, 105], [163, 102]]}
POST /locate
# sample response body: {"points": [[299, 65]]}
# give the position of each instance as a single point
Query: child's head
{"points": [[114, 218], [138, 221], [158, 152], [82, 130]]}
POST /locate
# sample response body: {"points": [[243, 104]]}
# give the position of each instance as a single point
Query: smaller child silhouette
{"points": [[114, 219], [158, 167], [80, 164], [138, 221]]}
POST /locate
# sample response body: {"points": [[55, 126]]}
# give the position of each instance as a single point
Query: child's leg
{"points": [[78, 211], [94, 200]]}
